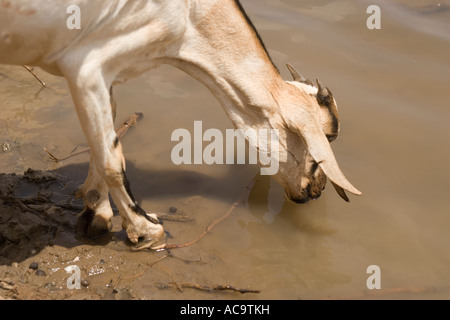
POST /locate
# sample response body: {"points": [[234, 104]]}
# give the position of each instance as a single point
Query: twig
{"points": [[22, 206], [198, 261], [242, 197], [127, 124], [216, 288], [35, 75], [72, 154], [7, 285], [121, 131], [182, 217], [137, 275]]}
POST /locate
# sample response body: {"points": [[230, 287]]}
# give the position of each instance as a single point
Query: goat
{"points": [[215, 43]]}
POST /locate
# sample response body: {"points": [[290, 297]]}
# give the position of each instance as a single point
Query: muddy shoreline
{"points": [[38, 240]]}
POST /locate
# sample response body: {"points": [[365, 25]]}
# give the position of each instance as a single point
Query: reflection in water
{"points": [[391, 86], [292, 249]]}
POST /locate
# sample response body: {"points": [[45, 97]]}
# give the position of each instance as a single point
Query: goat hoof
{"points": [[141, 228], [91, 225], [98, 227], [153, 244]]}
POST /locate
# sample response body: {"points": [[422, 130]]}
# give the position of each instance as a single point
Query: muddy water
{"points": [[392, 90]]}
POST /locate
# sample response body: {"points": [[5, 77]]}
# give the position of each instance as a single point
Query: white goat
{"points": [[214, 42]]}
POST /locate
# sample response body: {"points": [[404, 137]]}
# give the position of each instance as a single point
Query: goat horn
{"points": [[297, 76], [323, 91], [324, 96], [304, 124]]}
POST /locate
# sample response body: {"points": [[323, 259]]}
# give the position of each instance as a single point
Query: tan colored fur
{"points": [[210, 40]]}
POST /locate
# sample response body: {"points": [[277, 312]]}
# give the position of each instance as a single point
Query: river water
{"points": [[392, 88]]}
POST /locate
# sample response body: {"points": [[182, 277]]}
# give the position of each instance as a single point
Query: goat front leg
{"points": [[95, 220], [92, 102]]}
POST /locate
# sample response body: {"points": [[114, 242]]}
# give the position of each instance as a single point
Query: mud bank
{"points": [[38, 241]]}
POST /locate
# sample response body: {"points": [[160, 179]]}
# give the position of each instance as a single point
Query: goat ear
{"points": [[319, 148]]}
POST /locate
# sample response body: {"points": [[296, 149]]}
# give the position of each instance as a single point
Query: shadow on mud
{"points": [[39, 208]]}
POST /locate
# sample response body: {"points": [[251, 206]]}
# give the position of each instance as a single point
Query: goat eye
{"points": [[331, 137]]}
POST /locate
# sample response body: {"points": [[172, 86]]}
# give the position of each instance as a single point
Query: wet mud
{"points": [[39, 241]]}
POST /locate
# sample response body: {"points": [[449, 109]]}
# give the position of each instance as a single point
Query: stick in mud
{"points": [[30, 70], [121, 131], [167, 248], [215, 288], [241, 198]]}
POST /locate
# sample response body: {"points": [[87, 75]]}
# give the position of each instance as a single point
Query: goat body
{"points": [[215, 43]]}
